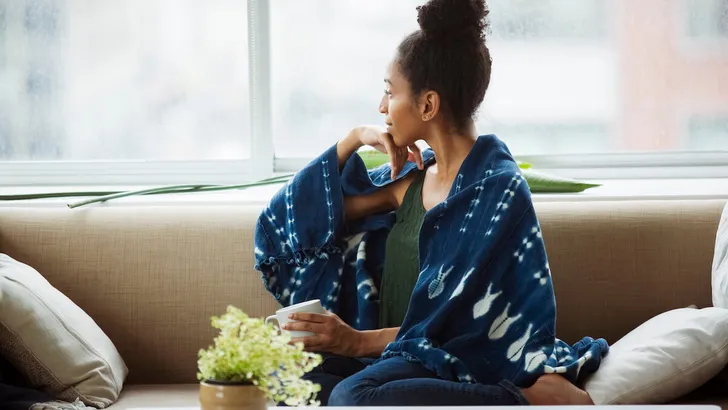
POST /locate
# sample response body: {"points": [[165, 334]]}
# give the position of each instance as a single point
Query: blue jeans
{"points": [[395, 381]]}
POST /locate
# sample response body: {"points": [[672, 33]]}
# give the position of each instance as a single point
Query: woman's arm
{"points": [[347, 147], [333, 335], [373, 342], [380, 201]]}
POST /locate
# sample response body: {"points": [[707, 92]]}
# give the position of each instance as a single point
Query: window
{"points": [[707, 18], [569, 76], [125, 80], [154, 87], [42, 17], [325, 84], [705, 133], [3, 29], [4, 120], [4, 137], [548, 139], [549, 19]]}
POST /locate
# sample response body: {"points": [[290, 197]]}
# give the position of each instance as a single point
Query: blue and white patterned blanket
{"points": [[483, 309]]}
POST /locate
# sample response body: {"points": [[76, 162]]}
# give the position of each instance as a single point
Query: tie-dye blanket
{"points": [[483, 309]]}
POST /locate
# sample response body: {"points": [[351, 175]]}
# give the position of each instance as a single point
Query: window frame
{"points": [[263, 163], [672, 165]]}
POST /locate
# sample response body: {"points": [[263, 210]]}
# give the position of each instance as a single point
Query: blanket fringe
{"points": [[60, 405], [299, 258]]}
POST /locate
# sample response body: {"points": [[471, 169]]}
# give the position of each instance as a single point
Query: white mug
{"points": [[281, 316]]}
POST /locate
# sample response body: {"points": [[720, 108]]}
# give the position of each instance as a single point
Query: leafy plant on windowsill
{"points": [[537, 181]]}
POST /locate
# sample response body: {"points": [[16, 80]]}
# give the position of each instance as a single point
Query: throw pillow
{"points": [[720, 264], [665, 358], [55, 344]]}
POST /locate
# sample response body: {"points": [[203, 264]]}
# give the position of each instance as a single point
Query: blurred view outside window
{"points": [[168, 79], [123, 80], [569, 76]]}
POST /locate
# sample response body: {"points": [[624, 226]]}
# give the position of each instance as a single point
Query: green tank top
{"points": [[401, 258]]}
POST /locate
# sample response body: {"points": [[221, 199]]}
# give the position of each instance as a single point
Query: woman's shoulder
{"points": [[489, 157], [400, 187]]}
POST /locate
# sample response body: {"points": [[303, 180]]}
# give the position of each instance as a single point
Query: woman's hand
{"points": [[332, 335], [383, 142]]}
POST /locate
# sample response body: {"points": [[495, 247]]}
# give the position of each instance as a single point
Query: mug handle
{"points": [[272, 318]]}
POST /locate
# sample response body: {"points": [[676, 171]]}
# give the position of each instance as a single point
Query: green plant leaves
{"points": [[248, 350], [545, 183], [538, 182]]}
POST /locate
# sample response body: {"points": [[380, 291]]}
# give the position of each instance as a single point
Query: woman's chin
{"points": [[400, 142]]}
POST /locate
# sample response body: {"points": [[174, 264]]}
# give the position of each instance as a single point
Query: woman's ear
{"points": [[429, 105]]}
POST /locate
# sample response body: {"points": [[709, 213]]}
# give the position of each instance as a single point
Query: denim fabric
{"points": [[396, 381]]}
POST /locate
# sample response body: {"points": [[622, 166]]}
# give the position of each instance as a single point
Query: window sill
{"points": [[611, 190]]}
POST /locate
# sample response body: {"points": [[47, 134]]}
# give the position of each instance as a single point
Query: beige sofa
{"points": [[152, 276]]}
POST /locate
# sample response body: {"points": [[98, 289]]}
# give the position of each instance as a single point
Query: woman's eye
{"points": [[389, 93]]}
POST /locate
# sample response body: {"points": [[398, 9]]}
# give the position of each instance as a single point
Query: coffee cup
{"points": [[281, 316]]}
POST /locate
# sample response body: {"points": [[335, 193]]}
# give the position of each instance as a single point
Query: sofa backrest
{"points": [[152, 277]]}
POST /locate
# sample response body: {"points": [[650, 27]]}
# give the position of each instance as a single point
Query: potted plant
{"points": [[251, 364]]}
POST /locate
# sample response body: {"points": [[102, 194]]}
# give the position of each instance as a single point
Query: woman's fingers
{"points": [[397, 156], [394, 154], [416, 156], [304, 327], [379, 147], [308, 317], [299, 340], [307, 322], [310, 343]]}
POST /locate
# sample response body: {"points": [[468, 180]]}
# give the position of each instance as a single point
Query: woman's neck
{"points": [[451, 149]]}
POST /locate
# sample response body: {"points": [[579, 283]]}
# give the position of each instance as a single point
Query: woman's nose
{"points": [[383, 105]]}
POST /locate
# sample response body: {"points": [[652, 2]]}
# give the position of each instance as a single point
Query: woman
{"points": [[444, 297]]}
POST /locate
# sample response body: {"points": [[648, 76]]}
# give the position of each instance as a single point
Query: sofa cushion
{"points": [[54, 343], [152, 276], [667, 357], [720, 264], [157, 396], [712, 393], [720, 400]]}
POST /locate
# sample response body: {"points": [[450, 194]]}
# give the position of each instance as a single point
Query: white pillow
{"points": [[720, 264], [662, 360], [54, 343]]}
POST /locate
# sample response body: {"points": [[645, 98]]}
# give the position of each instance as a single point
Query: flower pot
{"points": [[216, 395]]}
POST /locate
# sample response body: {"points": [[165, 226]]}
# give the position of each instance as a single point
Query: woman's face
{"points": [[400, 111]]}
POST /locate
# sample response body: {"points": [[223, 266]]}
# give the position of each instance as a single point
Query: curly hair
{"points": [[448, 55]]}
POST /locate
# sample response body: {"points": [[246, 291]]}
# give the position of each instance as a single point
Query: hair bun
{"points": [[453, 18]]}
